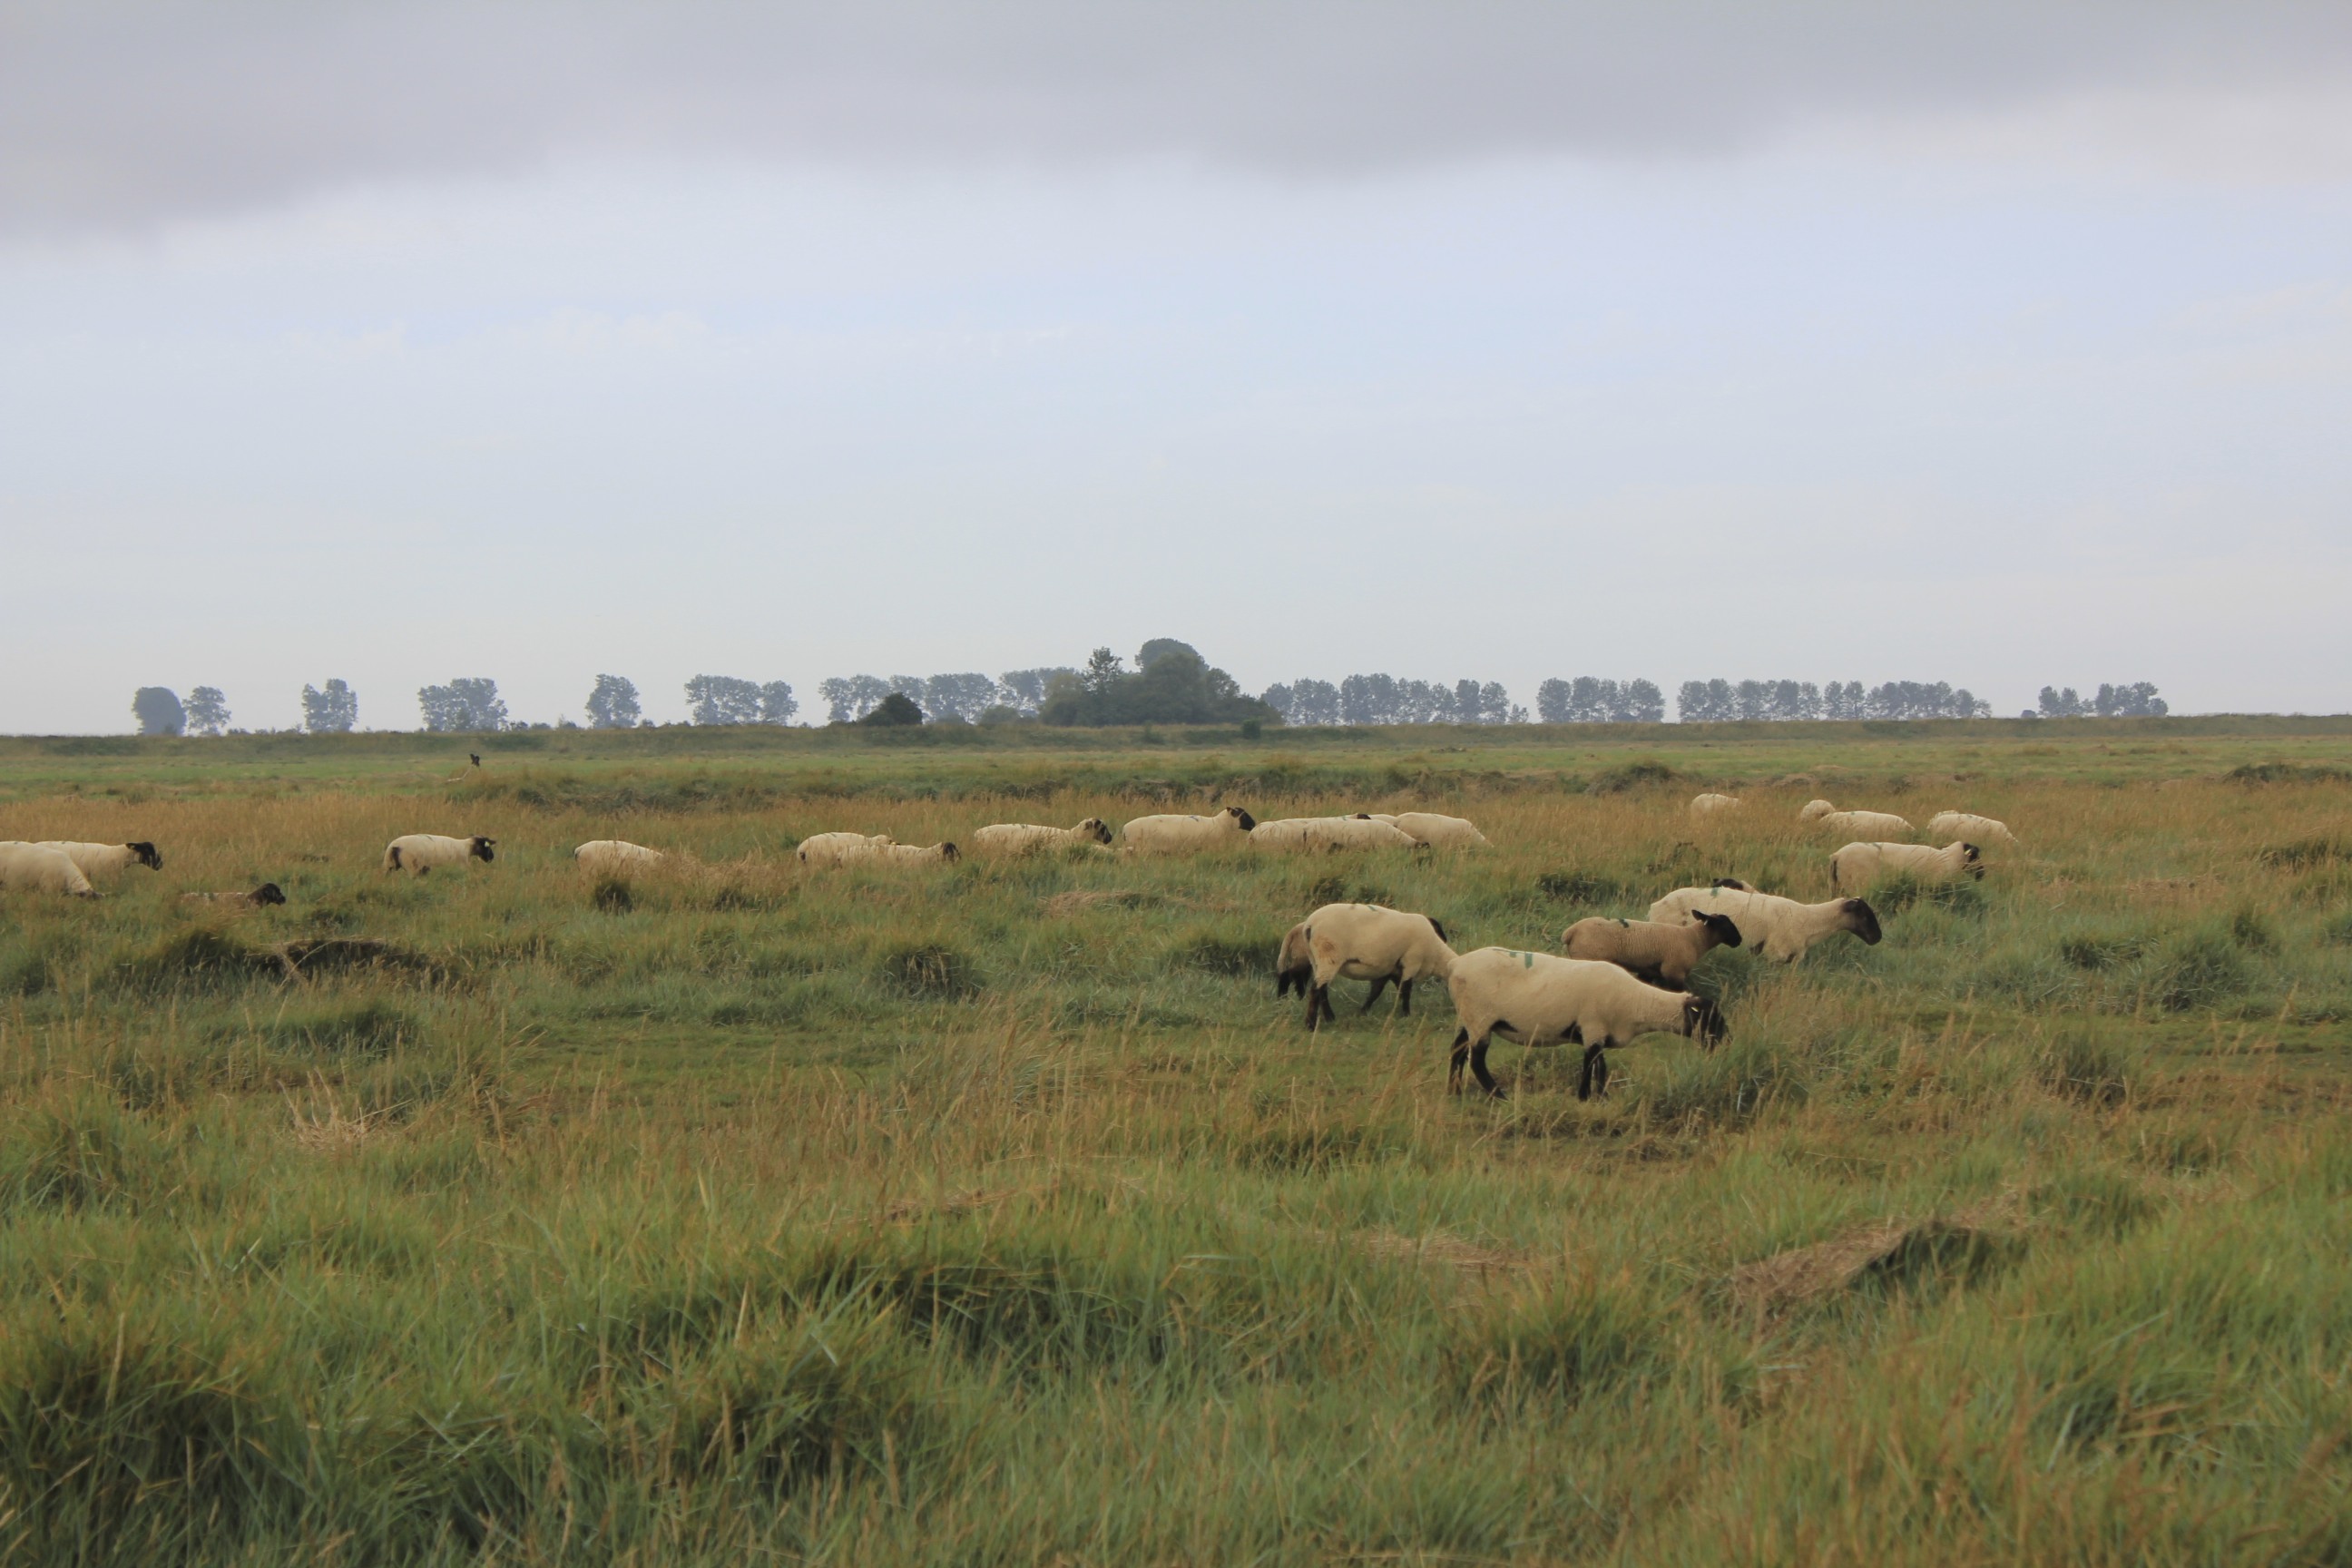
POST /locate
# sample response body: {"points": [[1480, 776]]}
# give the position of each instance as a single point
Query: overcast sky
{"points": [[1995, 345]]}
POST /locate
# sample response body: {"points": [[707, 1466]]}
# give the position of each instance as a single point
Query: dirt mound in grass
{"points": [[1893, 1250]]}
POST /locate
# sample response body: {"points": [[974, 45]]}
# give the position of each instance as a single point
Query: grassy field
{"points": [[998, 1214]]}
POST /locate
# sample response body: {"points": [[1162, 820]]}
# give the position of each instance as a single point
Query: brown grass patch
{"points": [[1805, 1274]]}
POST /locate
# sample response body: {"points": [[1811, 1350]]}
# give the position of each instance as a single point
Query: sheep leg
{"points": [[1461, 1055], [1318, 1002], [1373, 996], [1404, 998], [1594, 1080], [1478, 1065]]}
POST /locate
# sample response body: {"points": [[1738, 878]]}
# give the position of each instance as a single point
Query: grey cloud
{"points": [[112, 115]]}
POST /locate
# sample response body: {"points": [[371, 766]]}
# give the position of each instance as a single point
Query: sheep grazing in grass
{"points": [[1284, 835], [1781, 928], [100, 861], [823, 850], [41, 868], [1360, 942], [616, 857], [894, 854], [421, 852], [264, 896], [1188, 835], [1029, 839], [1858, 867], [1868, 824], [1537, 999], [1316, 835], [1651, 951], [1951, 824], [1708, 804], [1815, 810], [1437, 832]]}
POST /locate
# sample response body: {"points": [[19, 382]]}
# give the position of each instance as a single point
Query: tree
{"points": [[2137, 701], [208, 711], [723, 699], [330, 712], [2058, 704], [1102, 671], [1177, 690], [965, 697], [1023, 691], [1150, 653], [850, 698], [777, 704], [159, 711], [469, 703], [613, 705], [894, 710]]}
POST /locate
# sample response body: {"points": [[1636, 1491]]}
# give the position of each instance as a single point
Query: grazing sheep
{"points": [[41, 868], [1028, 838], [896, 854], [1705, 804], [1815, 810], [1781, 928], [1187, 834], [1857, 866], [1284, 835], [420, 852], [1659, 954], [99, 861], [831, 849], [1356, 832], [260, 898], [1871, 825], [1365, 941], [1951, 825], [613, 856], [1537, 999], [1438, 832]]}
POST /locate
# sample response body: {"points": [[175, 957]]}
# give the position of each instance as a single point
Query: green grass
{"points": [[1000, 1214]]}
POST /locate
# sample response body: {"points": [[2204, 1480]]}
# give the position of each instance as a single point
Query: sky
{"points": [[2002, 345]]}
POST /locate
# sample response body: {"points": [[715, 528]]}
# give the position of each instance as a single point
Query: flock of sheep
{"points": [[1615, 980]]}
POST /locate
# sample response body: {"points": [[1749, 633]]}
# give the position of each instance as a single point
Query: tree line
{"points": [[1171, 682]]}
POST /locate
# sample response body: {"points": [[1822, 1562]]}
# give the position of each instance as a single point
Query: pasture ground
{"points": [[998, 1214]]}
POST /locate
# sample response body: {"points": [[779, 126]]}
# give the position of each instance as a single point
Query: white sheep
{"points": [[616, 857], [1659, 952], [1537, 999], [1871, 825], [823, 850], [1029, 839], [264, 896], [40, 869], [1283, 834], [897, 854], [421, 852], [1361, 941], [1356, 832], [100, 861], [1781, 928], [1708, 804], [1951, 825], [1188, 835], [1858, 867], [1815, 810], [1437, 831]]}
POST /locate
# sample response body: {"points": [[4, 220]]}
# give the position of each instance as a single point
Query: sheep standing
{"points": [[1188, 835], [1871, 825], [264, 896], [1356, 832], [1362, 941], [825, 850], [1708, 804], [1651, 951], [1537, 999], [421, 852], [616, 857], [896, 854], [39, 869], [1437, 831], [100, 861], [1951, 824], [1858, 867], [1781, 928], [1029, 839]]}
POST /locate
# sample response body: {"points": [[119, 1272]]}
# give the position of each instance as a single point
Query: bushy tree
{"points": [[852, 697], [777, 704], [2137, 701], [1304, 702], [1701, 701], [613, 705], [1177, 689], [897, 708], [1023, 691], [469, 702], [1150, 652], [334, 712], [159, 711], [958, 697], [208, 711], [1589, 701], [723, 699], [1102, 672], [2062, 703]]}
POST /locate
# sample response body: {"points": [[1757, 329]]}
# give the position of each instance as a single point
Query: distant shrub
{"points": [[1642, 774], [2287, 772]]}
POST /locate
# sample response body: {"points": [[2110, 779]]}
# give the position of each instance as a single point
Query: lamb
{"points": [[1360, 942], [420, 852], [825, 851], [612, 856], [1662, 954], [42, 869], [1857, 866], [1781, 928], [1028, 838], [1187, 834], [1707, 805], [1438, 832], [897, 854], [260, 898], [1874, 825], [97, 861], [1951, 824], [1539, 1000]]}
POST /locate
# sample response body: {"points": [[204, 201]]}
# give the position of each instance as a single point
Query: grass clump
{"points": [[2084, 1065], [930, 971]]}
